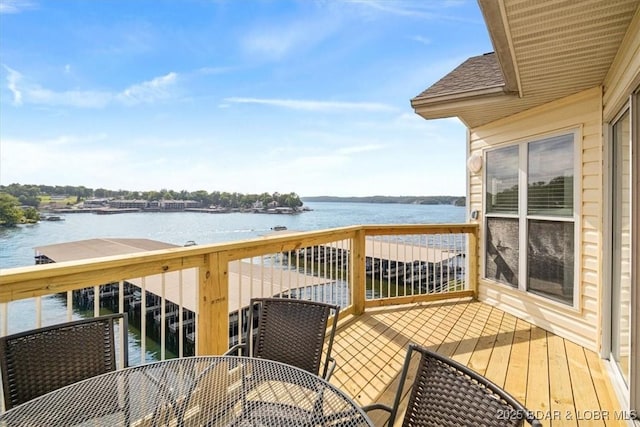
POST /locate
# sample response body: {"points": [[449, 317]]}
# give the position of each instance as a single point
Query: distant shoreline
{"points": [[113, 211], [409, 200]]}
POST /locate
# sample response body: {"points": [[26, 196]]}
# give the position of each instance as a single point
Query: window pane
{"points": [[502, 180], [550, 259], [550, 180], [502, 250]]}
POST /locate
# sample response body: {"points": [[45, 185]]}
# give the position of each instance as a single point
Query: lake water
{"points": [[17, 244]]}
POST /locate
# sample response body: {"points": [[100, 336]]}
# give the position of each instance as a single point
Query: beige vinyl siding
{"points": [[581, 111]]}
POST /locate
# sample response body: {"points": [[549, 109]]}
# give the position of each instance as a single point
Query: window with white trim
{"points": [[530, 216]]}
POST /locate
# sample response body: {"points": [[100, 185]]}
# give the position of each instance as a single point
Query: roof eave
{"points": [[495, 19], [451, 98], [453, 105]]}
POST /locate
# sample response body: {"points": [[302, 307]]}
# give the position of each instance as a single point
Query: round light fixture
{"points": [[474, 163]]}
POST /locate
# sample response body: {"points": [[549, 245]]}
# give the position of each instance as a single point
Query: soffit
{"points": [[547, 50]]}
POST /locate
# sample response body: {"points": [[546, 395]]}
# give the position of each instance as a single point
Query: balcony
{"points": [[395, 284]]}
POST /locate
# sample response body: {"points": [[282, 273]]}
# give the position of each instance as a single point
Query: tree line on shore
{"points": [[410, 200], [20, 203]]}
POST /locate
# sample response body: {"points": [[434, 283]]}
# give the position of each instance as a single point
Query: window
{"points": [[502, 215], [529, 214]]}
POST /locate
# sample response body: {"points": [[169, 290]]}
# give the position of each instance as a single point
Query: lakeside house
{"points": [[553, 118], [108, 206]]}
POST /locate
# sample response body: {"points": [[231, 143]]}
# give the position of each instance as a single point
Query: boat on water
{"points": [[52, 218], [279, 228]]}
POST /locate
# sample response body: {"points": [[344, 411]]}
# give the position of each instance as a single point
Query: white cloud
{"points": [[72, 98], [149, 91], [25, 92], [13, 80], [412, 8], [313, 105], [420, 39], [37, 161], [323, 165], [272, 45], [15, 6], [275, 41]]}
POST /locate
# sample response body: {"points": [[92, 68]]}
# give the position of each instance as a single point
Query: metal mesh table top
{"points": [[193, 391]]}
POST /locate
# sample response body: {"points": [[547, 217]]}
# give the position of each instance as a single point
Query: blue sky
{"points": [[250, 96]]}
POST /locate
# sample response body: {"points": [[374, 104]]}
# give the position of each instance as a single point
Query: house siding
{"points": [[581, 111]]}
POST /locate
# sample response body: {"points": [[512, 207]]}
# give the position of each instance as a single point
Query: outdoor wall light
{"points": [[474, 163]]}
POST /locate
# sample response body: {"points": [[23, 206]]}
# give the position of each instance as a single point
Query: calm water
{"points": [[17, 244]]}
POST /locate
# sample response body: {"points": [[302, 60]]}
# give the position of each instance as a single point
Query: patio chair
{"points": [[291, 331], [447, 393], [41, 360]]}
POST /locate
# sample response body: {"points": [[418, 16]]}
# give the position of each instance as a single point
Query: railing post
{"points": [[358, 282], [472, 275], [213, 306]]}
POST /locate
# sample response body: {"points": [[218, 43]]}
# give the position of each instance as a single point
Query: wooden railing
{"points": [[356, 267]]}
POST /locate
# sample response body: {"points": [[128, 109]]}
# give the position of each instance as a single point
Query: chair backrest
{"points": [[293, 331], [447, 393], [38, 361]]}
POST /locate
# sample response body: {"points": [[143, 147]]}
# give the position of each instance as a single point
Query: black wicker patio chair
{"points": [[38, 361], [291, 331], [447, 393]]}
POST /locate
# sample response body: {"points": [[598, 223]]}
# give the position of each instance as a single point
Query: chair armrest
{"points": [[378, 406], [233, 351]]}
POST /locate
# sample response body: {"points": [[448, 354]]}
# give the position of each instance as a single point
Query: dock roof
{"points": [[181, 286], [97, 248]]}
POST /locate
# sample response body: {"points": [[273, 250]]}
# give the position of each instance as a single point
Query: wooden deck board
{"points": [[560, 391], [499, 361], [518, 366], [542, 370], [604, 390], [584, 392], [538, 376]]}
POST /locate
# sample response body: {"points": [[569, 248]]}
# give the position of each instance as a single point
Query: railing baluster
{"points": [[143, 320], [163, 317], [4, 311], [180, 315], [69, 305], [38, 304], [96, 300], [241, 319]]}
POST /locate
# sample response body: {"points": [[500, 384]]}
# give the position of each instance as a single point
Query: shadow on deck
{"points": [[562, 382]]}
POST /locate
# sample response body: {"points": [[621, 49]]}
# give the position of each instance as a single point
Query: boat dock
{"points": [[420, 266]]}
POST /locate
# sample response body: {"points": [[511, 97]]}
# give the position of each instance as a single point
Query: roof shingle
{"points": [[476, 73]]}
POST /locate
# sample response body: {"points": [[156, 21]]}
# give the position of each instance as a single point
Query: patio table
{"points": [[193, 391]]}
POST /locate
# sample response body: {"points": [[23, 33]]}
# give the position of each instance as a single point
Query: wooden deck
{"points": [[562, 382]]}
